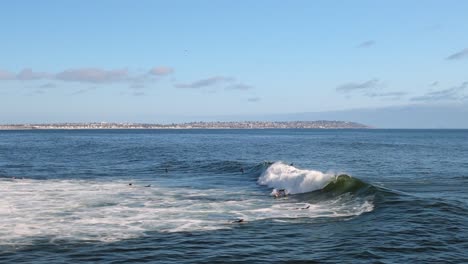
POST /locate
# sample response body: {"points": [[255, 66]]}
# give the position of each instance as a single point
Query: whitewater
{"points": [[282, 176], [109, 211]]}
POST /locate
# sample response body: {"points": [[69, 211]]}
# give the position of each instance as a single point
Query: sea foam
{"points": [[293, 180], [113, 210]]}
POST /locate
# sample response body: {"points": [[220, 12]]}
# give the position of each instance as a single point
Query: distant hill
{"points": [[409, 116], [414, 116]]}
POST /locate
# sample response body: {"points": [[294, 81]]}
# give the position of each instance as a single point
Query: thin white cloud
{"points": [[92, 75], [28, 74], [134, 80], [217, 80], [454, 93], [48, 85], [239, 86], [36, 92], [462, 54], [254, 99], [353, 86], [366, 44], [6, 75], [387, 95], [137, 86], [161, 71], [82, 91]]}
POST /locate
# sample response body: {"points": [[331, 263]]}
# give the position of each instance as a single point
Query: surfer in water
{"points": [[242, 170], [240, 220], [280, 193]]}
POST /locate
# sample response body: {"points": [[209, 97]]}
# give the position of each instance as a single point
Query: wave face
{"points": [[293, 180], [346, 184]]}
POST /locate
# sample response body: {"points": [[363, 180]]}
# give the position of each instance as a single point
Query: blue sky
{"points": [[162, 61]]}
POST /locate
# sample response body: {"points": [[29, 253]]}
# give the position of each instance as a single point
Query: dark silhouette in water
{"points": [[166, 170], [303, 208], [149, 185], [130, 184], [242, 170], [238, 221], [280, 193]]}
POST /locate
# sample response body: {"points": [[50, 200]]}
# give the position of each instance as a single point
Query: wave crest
{"points": [[293, 180], [345, 184]]}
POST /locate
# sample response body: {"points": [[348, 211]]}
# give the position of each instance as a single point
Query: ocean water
{"points": [[173, 196]]}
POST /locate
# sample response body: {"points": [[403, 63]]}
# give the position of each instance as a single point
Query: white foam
{"points": [[110, 211], [293, 180]]}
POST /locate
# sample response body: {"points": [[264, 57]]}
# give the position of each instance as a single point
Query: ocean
{"points": [[207, 196]]}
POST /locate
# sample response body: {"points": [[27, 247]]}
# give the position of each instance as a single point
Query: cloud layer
{"points": [[86, 75], [138, 81]]}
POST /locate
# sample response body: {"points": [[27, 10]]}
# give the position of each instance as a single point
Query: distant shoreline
{"points": [[178, 128], [321, 124]]}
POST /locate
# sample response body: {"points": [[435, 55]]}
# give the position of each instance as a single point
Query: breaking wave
{"points": [[316, 187], [293, 180], [296, 181]]}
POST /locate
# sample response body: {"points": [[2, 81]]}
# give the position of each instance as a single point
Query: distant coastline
{"points": [[320, 124]]}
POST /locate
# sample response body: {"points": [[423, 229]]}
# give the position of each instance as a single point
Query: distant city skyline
{"points": [[386, 64], [194, 125]]}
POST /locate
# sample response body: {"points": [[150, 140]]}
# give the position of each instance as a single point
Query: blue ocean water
{"points": [[173, 196]]}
